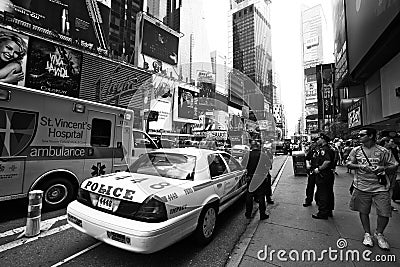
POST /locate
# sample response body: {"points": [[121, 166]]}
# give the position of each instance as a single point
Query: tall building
{"points": [[186, 17], [123, 28], [167, 11], [314, 33], [220, 69], [249, 45]]}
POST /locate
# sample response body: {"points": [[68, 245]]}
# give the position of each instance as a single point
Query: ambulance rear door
{"points": [[123, 142], [100, 143]]}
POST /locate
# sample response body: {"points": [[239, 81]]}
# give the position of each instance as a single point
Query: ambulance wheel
{"points": [[57, 193], [206, 225]]}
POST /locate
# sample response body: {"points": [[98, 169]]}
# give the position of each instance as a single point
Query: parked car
{"points": [[238, 151], [168, 195], [188, 143]]}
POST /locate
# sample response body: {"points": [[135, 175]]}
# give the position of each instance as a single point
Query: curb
{"points": [[240, 249]]}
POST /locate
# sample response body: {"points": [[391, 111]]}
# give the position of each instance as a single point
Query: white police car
{"points": [[168, 195]]}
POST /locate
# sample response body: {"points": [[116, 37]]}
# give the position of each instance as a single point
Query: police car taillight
{"points": [[152, 210], [83, 197]]}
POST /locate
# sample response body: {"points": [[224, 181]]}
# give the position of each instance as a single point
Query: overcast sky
{"points": [[286, 44]]}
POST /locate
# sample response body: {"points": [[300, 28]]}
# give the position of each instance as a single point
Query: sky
{"points": [[286, 45]]}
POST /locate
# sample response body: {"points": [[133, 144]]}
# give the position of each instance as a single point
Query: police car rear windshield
{"points": [[169, 165]]}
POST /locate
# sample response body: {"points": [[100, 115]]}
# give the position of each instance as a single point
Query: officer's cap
{"points": [[325, 137]]}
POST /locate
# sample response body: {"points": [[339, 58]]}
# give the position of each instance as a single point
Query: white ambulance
{"points": [[52, 142]]}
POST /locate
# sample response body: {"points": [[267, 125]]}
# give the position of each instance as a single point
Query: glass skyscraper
{"points": [[249, 48]]}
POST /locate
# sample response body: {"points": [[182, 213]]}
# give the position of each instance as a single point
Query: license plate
{"points": [[105, 203], [74, 220], [118, 237]]}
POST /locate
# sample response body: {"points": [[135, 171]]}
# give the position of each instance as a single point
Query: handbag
{"points": [[381, 177], [396, 190]]}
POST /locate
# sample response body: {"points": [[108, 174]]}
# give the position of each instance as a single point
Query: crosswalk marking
{"points": [[44, 226], [26, 240]]}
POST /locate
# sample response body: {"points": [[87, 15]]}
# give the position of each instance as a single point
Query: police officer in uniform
{"points": [[258, 165], [311, 157], [324, 178]]}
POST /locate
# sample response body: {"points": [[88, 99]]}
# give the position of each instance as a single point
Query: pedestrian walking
{"points": [[370, 162], [324, 178], [258, 165], [311, 159]]}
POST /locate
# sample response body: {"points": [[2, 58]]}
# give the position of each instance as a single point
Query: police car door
{"points": [[220, 175], [99, 143]]}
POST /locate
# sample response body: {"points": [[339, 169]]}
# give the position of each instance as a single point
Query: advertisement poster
{"points": [[355, 115], [81, 22], [13, 49], [109, 82], [53, 68], [159, 44], [206, 83], [186, 104], [161, 101]]}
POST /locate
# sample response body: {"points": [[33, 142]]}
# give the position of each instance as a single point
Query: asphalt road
{"points": [[68, 247]]}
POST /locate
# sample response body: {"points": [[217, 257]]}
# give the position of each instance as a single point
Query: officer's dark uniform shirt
{"points": [[325, 153], [312, 157]]}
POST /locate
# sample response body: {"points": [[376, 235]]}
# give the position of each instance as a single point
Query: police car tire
{"points": [[57, 185], [206, 225]]}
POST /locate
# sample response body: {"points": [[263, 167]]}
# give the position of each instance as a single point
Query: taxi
{"points": [[167, 195]]}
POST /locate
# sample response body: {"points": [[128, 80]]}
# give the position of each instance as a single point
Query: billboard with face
{"points": [[186, 104], [13, 49], [84, 23], [53, 68]]}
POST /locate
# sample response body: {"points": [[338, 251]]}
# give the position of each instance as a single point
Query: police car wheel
{"points": [[206, 225], [57, 193]]}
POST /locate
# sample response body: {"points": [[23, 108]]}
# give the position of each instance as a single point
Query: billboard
{"points": [[325, 73], [206, 83], [159, 43], [311, 92], [13, 47], [161, 100], [53, 68], [366, 21], [109, 82], [355, 115], [340, 45], [186, 104], [84, 23]]}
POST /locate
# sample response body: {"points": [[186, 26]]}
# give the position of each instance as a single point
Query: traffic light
{"points": [[153, 115]]}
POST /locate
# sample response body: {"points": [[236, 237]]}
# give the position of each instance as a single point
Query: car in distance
{"points": [[167, 195], [208, 144], [238, 151]]}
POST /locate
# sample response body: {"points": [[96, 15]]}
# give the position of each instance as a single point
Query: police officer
{"points": [[311, 157], [258, 165], [324, 178]]}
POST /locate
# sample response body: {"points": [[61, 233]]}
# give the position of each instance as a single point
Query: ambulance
{"points": [[52, 143]]}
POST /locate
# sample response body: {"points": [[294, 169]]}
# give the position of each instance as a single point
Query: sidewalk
{"points": [[291, 228]]}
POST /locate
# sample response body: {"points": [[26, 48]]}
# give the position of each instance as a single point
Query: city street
{"points": [[58, 244]]}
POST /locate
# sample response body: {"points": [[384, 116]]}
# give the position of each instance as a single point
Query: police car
{"points": [[167, 195]]}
